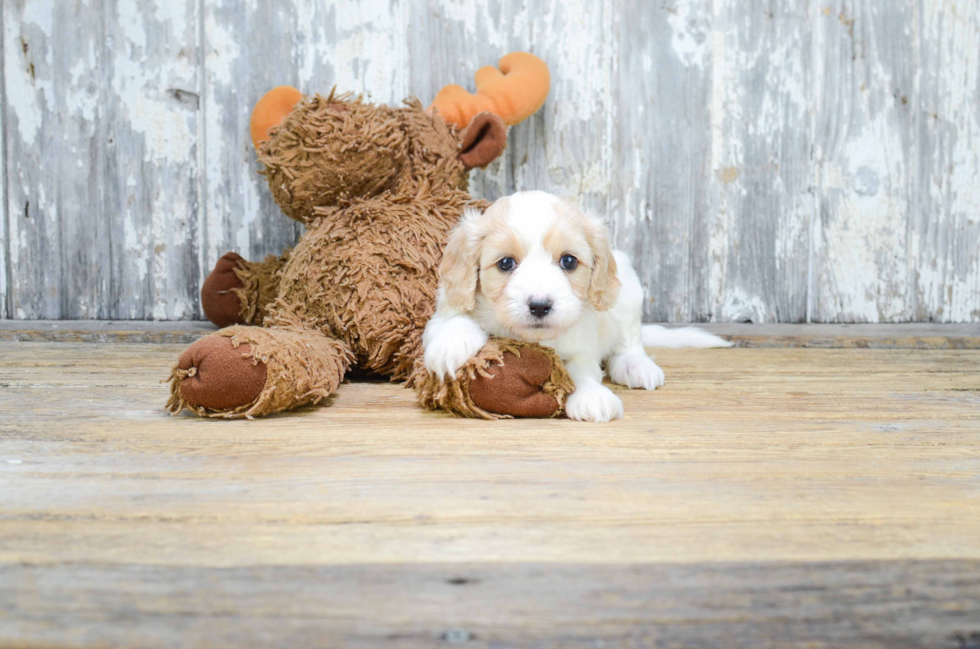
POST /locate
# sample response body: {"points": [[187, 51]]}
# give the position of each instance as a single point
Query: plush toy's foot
{"points": [[515, 386], [220, 292], [215, 375], [507, 378], [253, 371]]}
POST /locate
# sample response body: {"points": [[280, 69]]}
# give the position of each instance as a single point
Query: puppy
{"points": [[534, 267]]}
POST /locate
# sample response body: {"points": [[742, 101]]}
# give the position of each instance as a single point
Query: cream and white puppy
{"points": [[534, 267]]}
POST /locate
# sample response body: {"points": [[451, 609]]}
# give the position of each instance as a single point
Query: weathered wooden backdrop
{"points": [[764, 160]]}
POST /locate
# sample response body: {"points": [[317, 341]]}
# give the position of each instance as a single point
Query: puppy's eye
{"points": [[506, 264], [568, 262]]}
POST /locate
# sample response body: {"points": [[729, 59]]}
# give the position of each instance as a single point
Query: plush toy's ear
{"points": [[271, 110], [512, 93], [460, 268], [483, 141]]}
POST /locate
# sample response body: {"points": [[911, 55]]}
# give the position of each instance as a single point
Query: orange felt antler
{"points": [[271, 110], [512, 93]]}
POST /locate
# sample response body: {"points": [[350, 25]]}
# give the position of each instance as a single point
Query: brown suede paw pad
{"points": [[219, 376], [219, 299], [514, 387]]}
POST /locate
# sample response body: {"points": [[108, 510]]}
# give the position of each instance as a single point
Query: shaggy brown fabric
{"points": [[259, 287], [379, 189], [539, 381], [220, 292], [333, 149]]}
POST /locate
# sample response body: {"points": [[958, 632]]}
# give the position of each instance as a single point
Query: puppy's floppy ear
{"points": [[460, 266], [604, 284]]}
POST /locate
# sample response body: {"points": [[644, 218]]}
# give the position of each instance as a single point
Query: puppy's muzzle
{"points": [[539, 308]]}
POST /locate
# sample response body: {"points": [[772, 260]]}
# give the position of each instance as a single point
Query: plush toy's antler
{"points": [[512, 93], [271, 110]]}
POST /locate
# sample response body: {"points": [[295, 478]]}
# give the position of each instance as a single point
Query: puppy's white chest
{"points": [[584, 338]]}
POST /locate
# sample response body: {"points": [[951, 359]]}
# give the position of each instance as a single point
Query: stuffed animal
{"points": [[379, 190]]}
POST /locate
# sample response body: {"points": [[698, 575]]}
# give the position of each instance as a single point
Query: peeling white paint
{"points": [[222, 51], [49, 211], [136, 244], [372, 50], [582, 59], [21, 95], [252, 205], [477, 22], [690, 24], [4, 243], [39, 15], [629, 218], [142, 83], [314, 48], [865, 268], [725, 154], [948, 247], [83, 94], [738, 306]]}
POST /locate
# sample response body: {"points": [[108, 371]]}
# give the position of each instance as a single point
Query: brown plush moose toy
{"points": [[379, 190]]}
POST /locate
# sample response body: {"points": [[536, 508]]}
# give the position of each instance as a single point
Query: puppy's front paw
{"points": [[593, 403], [635, 370], [448, 353]]}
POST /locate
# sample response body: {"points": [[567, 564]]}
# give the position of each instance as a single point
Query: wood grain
{"points": [[865, 151], [944, 228], [101, 159], [767, 497], [55, 167], [764, 161], [861, 336], [757, 269], [660, 194], [928, 604], [4, 226]]}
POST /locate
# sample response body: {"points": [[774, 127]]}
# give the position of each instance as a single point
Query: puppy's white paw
{"points": [[635, 370], [593, 403], [450, 350]]}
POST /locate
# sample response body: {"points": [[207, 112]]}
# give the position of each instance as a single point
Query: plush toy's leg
{"points": [[253, 371], [507, 378], [239, 291]]}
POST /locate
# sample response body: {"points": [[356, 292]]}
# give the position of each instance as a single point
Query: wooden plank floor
{"points": [[763, 498]]}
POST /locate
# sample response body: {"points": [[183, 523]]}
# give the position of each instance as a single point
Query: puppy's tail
{"points": [[657, 336]]}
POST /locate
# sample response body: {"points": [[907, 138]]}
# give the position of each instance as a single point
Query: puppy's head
{"points": [[532, 259]]}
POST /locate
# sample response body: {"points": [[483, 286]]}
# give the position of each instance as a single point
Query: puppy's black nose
{"points": [[539, 308]]}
